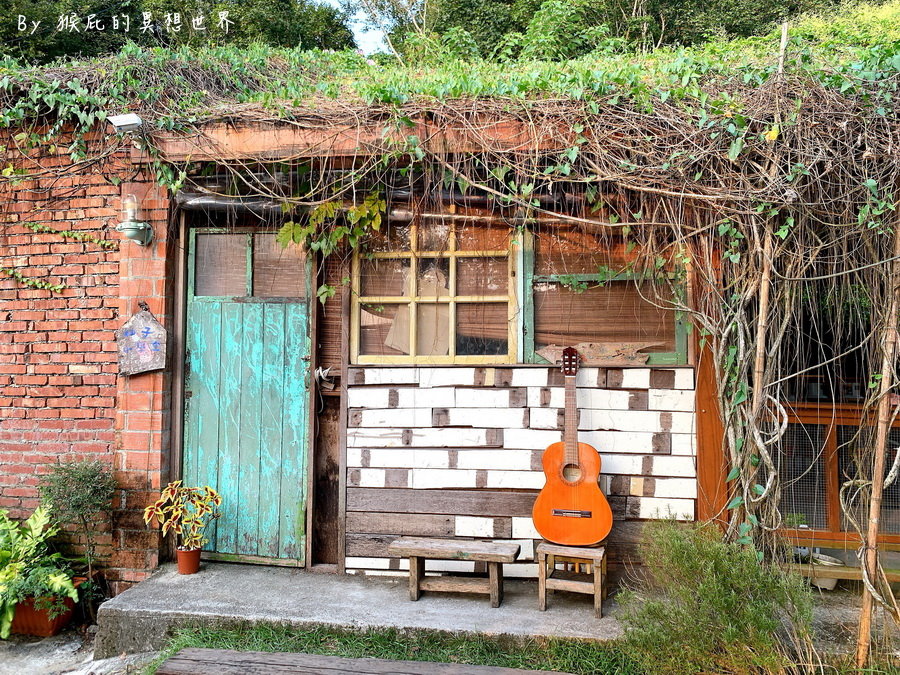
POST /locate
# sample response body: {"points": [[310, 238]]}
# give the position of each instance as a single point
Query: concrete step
{"points": [[142, 618]]}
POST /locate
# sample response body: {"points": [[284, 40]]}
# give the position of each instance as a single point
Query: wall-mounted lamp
{"points": [[126, 122], [142, 233]]}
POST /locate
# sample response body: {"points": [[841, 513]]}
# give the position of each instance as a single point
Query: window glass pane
{"points": [[569, 250], [434, 235], [383, 330], [613, 313], [221, 265], [482, 276], [433, 329], [384, 277], [391, 238], [801, 468], [486, 237], [855, 452], [277, 272], [434, 277], [482, 328]]}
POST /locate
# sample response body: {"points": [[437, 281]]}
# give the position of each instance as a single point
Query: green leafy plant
{"points": [[28, 568], [726, 611], [81, 493], [185, 511]]}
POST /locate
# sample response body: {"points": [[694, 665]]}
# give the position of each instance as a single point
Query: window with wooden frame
{"points": [[824, 446], [436, 292], [581, 289]]}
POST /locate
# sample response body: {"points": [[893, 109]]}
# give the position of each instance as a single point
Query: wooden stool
{"points": [[494, 553], [550, 578]]}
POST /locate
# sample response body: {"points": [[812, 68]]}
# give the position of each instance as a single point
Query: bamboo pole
{"points": [[881, 436], [762, 325]]}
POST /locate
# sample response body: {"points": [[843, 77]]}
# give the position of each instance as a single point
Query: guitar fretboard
{"points": [[570, 431]]}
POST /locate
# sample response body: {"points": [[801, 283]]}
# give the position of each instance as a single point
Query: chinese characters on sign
{"points": [[142, 344], [170, 22]]}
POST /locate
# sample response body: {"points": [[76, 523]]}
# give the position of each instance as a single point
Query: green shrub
{"points": [[714, 607], [80, 494]]}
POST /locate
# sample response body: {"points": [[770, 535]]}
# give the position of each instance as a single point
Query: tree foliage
{"points": [[566, 28]]}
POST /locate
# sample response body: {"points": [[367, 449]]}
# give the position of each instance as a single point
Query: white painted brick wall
{"points": [[440, 397], [680, 488], [671, 399], [530, 438], [602, 399], [619, 441], [680, 466], [683, 422], [627, 465], [492, 418], [557, 397], [396, 417], [390, 375], [684, 444], [449, 438], [413, 458], [374, 438], [444, 377], [367, 397], [544, 418], [523, 528], [523, 480], [684, 378], [482, 398], [635, 378], [655, 507], [371, 477], [424, 479], [503, 459], [471, 526], [621, 420], [354, 457], [530, 377]]}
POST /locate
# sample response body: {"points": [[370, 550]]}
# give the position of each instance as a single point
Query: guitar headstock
{"points": [[570, 359]]}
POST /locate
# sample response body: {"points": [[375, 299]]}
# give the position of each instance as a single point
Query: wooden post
{"points": [[881, 436]]}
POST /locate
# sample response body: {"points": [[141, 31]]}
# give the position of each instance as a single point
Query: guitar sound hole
{"points": [[571, 473]]}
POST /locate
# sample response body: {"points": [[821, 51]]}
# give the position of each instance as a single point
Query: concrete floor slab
{"points": [[140, 619]]}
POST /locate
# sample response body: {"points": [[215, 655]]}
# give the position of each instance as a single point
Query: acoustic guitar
{"points": [[571, 509]]}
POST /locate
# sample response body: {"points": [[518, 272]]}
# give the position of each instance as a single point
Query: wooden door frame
{"points": [[179, 329]]}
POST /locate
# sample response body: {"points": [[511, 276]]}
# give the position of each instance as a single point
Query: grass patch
{"points": [[563, 655]]}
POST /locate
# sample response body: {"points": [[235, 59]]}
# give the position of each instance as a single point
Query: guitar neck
{"points": [[570, 430]]}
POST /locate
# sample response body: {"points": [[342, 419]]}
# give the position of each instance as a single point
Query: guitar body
{"points": [[572, 512]]}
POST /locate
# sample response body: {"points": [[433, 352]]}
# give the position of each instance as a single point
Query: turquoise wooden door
{"points": [[246, 380]]}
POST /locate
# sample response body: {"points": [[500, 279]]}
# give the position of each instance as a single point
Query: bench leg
{"points": [[416, 572], [495, 576], [598, 589], [542, 582]]}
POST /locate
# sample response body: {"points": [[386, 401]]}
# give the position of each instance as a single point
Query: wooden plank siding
{"points": [[455, 452]]}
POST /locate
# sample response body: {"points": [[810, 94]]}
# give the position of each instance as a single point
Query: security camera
{"points": [[126, 122]]}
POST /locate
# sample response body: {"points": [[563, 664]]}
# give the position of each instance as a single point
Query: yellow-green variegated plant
{"points": [[28, 568], [185, 512]]}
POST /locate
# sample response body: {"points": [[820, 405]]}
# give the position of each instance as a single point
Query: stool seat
{"points": [[549, 578]]}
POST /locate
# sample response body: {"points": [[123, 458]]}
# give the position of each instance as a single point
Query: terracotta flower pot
{"points": [[30, 621], [188, 560]]}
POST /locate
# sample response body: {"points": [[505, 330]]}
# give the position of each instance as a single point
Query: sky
{"points": [[367, 40]]}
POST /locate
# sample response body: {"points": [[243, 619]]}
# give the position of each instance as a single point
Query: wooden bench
{"points": [[227, 662], [837, 572], [550, 579], [418, 550]]}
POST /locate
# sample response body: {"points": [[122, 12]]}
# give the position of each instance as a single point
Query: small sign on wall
{"points": [[142, 343]]}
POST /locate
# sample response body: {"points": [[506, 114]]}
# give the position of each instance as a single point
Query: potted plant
{"points": [[37, 594], [185, 511], [80, 494]]}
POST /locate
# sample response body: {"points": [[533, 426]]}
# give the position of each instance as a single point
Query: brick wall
{"points": [[60, 396], [457, 452]]}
